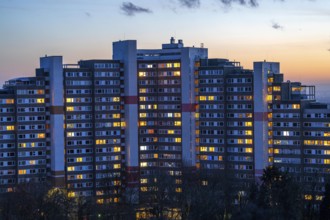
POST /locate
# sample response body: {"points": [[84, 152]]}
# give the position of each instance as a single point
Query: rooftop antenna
{"points": [[202, 45]]}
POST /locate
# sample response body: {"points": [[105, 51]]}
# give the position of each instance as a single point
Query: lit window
{"points": [[79, 177], [142, 74], [69, 99], [116, 99], [41, 135], [178, 140], [177, 123], [143, 180], [143, 123], [115, 115], [71, 194], [202, 98], [276, 88], [116, 149], [70, 168], [32, 162], [248, 124], [116, 166], [21, 172], [143, 115], [70, 109], [203, 149], [176, 65], [70, 134], [40, 100], [296, 106], [101, 141], [10, 128], [286, 133], [176, 73], [269, 97], [143, 164], [177, 115], [248, 150], [79, 159], [210, 98]]}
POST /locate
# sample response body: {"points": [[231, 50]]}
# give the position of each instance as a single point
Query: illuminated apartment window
{"points": [[269, 97], [211, 149], [296, 106], [116, 124], [210, 98], [270, 79], [177, 140], [144, 189], [248, 124], [116, 99], [100, 201], [41, 135], [116, 166], [178, 189], [79, 159], [32, 162], [155, 155], [40, 100], [143, 164], [69, 99], [116, 115], [248, 132], [70, 109], [170, 131], [177, 123], [276, 151], [79, 177], [143, 123], [143, 90], [202, 98], [142, 74], [143, 115], [276, 88], [286, 133], [142, 98], [176, 73], [203, 149], [70, 134], [116, 149], [326, 161], [10, 128], [177, 115], [21, 172], [248, 150], [176, 65], [71, 194], [143, 181]]}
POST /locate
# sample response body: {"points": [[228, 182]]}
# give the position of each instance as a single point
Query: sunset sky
{"points": [[295, 33]]}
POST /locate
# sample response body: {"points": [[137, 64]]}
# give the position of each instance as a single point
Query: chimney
{"points": [[172, 40]]}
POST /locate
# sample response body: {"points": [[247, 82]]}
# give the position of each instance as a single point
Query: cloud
{"points": [[130, 9], [190, 3], [277, 26], [251, 3], [88, 14], [329, 50]]}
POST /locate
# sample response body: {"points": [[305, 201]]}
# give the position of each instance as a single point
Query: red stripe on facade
{"points": [[131, 100], [188, 107], [261, 116], [132, 176], [56, 110]]}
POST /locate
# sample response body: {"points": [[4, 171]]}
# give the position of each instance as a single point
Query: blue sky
{"points": [[293, 32]]}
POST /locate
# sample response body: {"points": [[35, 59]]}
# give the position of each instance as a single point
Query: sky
{"points": [[295, 33]]}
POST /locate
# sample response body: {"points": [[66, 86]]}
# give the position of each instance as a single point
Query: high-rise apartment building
{"points": [[100, 126]]}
